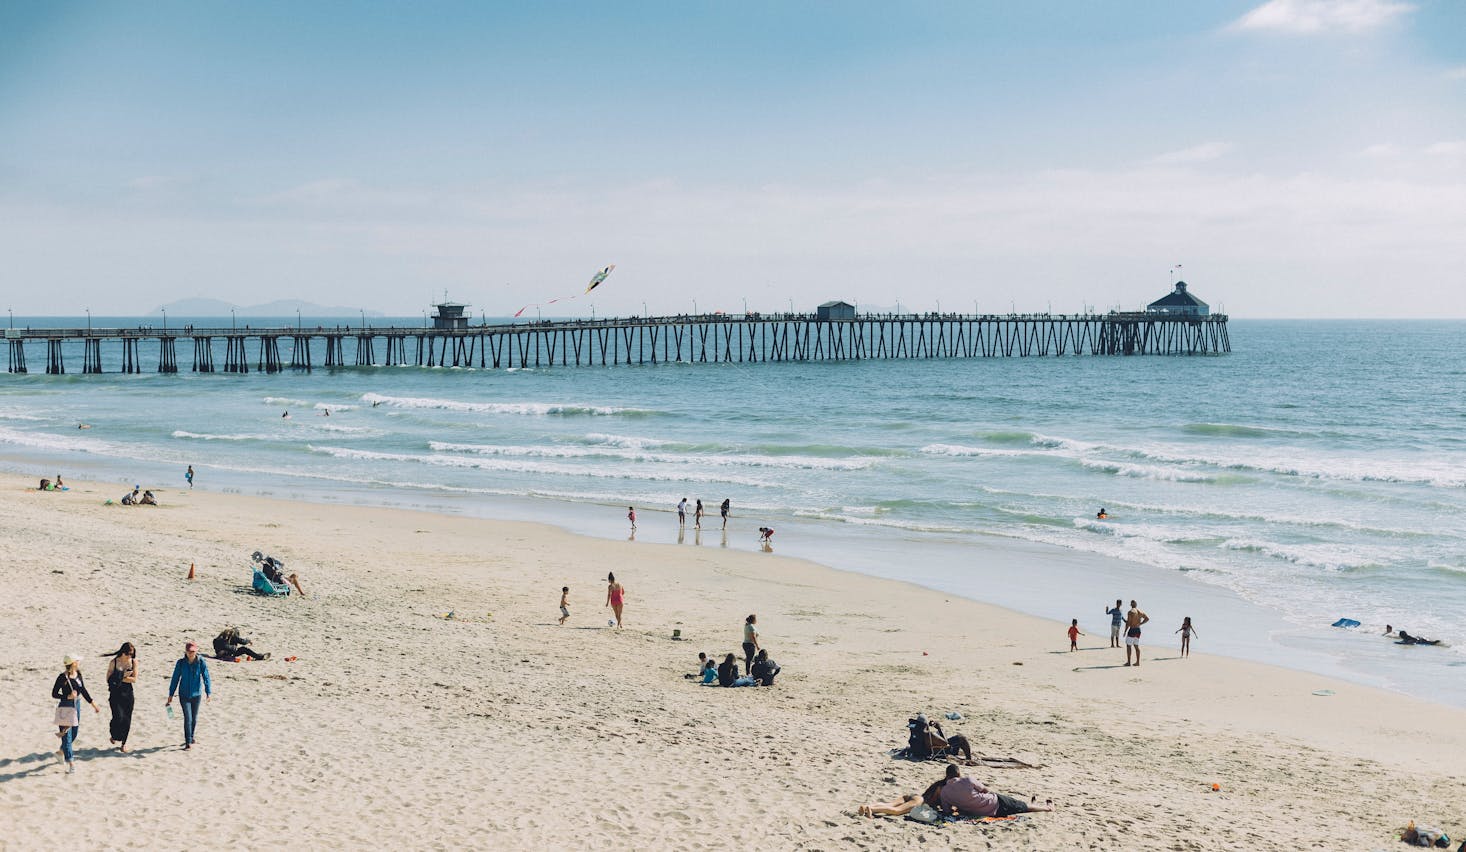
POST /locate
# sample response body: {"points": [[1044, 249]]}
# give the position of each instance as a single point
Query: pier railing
{"points": [[729, 338]]}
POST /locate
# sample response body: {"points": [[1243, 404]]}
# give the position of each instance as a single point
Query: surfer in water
{"points": [[1101, 514], [285, 416]]}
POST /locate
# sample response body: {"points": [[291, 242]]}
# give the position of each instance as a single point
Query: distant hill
{"points": [[278, 308]]}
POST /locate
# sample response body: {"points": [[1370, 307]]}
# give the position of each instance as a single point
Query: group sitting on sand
{"points": [[145, 498], [959, 796], [761, 673]]}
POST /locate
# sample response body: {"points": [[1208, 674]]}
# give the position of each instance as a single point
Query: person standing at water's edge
{"points": [[631, 516], [1133, 620], [723, 510], [615, 597], [697, 515], [682, 513], [191, 684], [189, 476], [70, 689], [1117, 618], [121, 675]]}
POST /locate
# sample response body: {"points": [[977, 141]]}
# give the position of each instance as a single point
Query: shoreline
{"points": [[396, 726], [992, 569]]}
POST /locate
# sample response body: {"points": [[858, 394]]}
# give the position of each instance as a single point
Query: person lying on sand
{"points": [[968, 797], [906, 804]]}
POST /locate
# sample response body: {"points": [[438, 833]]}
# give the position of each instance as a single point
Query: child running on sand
{"points": [[1074, 635], [564, 603], [1186, 630]]}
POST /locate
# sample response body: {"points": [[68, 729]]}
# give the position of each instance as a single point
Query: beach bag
{"points": [[925, 814], [66, 716]]}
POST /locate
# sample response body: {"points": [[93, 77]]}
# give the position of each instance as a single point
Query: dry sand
{"points": [[399, 729]]}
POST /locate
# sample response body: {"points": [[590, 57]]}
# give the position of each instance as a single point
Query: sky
{"points": [[1297, 158]]}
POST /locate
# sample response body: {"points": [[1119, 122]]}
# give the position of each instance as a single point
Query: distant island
{"points": [[278, 308]]}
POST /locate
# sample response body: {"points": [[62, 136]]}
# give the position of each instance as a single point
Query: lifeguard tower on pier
{"points": [[449, 316]]}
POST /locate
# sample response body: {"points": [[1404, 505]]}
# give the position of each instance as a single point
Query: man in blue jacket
{"points": [[190, 683]]}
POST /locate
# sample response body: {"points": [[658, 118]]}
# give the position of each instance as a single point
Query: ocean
{"points": [[1316, 472]]}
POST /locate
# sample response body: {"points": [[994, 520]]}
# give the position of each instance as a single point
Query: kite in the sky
{"points": [[595, 282]]}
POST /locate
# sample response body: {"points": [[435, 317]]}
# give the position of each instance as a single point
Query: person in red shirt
{"points": [[1074, 635]]}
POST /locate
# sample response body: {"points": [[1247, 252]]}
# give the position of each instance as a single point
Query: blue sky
{"points": [[1299, 157]]}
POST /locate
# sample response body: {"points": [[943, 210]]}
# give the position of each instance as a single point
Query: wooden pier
{"points": [[751, 338]]}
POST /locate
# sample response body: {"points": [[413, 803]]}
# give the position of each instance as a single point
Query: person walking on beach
{"points": [[1133, 620], [697, 515], [1117, 618], [191, 684], [189, 476], [682, 513], [121, 675], [615, 597], [750, 642], [723, 510], [1074, 635], [70, 689], [1186, 630], [564, 603], [631, 516]]}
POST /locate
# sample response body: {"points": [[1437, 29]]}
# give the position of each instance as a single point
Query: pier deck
{"points": [[750, 338]]}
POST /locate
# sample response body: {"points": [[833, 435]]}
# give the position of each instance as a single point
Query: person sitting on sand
{"points": [[927, 738], [45, 485], [764, 669], [229, 645], [710, 673], [702, 664], [728, 671], [274, 571], [906, 804], [968, 796], [148, 499], [130, 499], [59, 486]]}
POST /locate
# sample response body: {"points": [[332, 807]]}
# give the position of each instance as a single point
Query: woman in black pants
{"points": [[121, 675]]}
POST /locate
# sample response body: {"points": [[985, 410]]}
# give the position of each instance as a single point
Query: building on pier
{"points": [[835, 311], [450, 317], [1179, 302]]}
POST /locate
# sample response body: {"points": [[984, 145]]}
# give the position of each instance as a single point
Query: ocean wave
{"points": [[1150, 532], [332, 406], [1141, 471], [284, 400], [960, 450], [11, 415], [628, 441], [1328, 557], [503, 465], [204, 436], [1350, 469], [1234, 430], [519, 408], [566, 452]]}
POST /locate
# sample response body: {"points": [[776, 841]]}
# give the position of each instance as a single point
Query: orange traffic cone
{"points": [[190, 570]]}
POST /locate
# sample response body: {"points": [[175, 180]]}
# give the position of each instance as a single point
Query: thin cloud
{"points": [[1456, 73], [1312, 17], [1453, 148], [1381, 150], [1195, 154]]}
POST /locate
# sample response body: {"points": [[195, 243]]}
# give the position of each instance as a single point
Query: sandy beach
{"points": [[397, 728]]}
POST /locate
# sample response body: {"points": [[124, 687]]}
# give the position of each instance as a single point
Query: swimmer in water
{"points": [[285, 416], [83, 426], [1101, 514]]}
